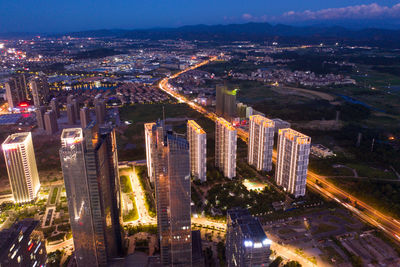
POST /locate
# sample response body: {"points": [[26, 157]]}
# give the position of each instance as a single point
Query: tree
{"points": [[292, 264], [276, 262]]}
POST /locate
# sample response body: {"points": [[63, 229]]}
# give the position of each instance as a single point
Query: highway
{"points": [[367, 213]]}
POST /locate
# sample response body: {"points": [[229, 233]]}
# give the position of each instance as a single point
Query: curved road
{"points": [[369, 214]]}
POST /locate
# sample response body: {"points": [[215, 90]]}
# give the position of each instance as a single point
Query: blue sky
{"points": [[73, 15]]}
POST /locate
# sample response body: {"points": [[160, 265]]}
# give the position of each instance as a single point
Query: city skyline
{"points": [[245, 144]]}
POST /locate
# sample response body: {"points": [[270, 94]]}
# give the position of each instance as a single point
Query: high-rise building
{"points": [[280, 124], [101, 111], [292, 161], [21, 166], [40, 111], [197, 139], [71, 114], [225, 147], [172, 187], [246, 242], [90, 168], [149, 140], [261, 142], [22, 245], [50, 121], [40, 89], [16, 90], [69, 99], [55, 106], [85, 117], [226, 102], [75, 105]]}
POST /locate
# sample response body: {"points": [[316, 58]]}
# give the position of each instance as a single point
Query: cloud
{"points": [[372, 11], [247, 16], [351, 12]]}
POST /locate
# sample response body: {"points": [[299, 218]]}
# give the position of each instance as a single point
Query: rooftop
{"points": [[226, 124], [196, 127], [295, 135], [17, 138], [262, 120], [71, 135], [250, 226], [9, 236]]}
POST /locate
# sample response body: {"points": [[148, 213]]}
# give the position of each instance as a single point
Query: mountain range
{"points": [[256, 32]]}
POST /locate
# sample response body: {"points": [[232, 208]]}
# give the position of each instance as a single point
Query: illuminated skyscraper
{"points": [[16, 90], [50, 121], [246, 242], [225, 147], [197, 139], [292, 161], [40, 89], [90, 169], [261, 142], [54, 106], [172, 185], [21, 166], [149, 139]]}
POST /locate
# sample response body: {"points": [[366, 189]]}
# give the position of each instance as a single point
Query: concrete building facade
{"points": [[225, 147], [293, 152], [261, 142]]}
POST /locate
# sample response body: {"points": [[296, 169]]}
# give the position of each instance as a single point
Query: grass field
{"points": [[54, 195], [133, 213]]}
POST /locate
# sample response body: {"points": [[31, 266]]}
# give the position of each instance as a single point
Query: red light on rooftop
{"points": [[23, 105]]}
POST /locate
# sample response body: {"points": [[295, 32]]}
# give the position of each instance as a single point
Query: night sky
{"points": [[74, 15]]}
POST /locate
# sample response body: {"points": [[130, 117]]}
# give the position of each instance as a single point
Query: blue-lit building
{"points": [[246, 242], [21, 245]]}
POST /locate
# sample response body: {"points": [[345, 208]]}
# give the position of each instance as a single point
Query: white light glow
{"points": [[257, 245], [267, 242], [248, 244]]}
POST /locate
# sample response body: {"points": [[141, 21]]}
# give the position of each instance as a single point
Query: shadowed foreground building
{"points": [[55, 106], [16, 90], [170, 157], [225, 147], [246, 242], [293, 151], [197, 139], [226, 102], [21, 166], [40, 89], [50, 122], [40, 111], [261, 142], [90, 168], [22, 245], [71, 114], [85, 117]]}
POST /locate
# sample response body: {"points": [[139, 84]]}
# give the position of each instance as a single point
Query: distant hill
{"points": [[260, 32], [257, 32]]}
